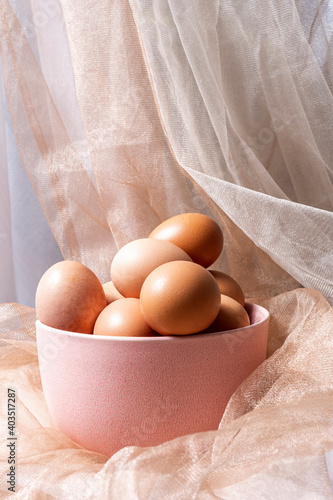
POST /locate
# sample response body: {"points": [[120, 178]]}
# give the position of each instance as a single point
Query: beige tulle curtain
{"points": [[27, 245], [245, 105], [123, 119], [126, 113]]}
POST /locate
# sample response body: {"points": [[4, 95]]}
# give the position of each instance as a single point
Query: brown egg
{"points": [[180, 298], [134, 261], [123, 318], [228, 286], [230, 316], [197, 234], [111, 293], [69, 297]]}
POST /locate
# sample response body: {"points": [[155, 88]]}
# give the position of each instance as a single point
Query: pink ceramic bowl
{"points": [[109, 392]]}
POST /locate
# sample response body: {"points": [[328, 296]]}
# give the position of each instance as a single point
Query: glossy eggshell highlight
{"points": [[228, 286], [197, 234], [180, 298], [111, 293], [136, 260], [123, 318], [231, 315], [69, 297]]}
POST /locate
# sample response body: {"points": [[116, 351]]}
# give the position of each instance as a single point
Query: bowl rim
{"points": [[162, 338]]}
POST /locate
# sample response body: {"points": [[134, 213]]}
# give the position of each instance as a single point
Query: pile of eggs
{"points": [[159, 285]]}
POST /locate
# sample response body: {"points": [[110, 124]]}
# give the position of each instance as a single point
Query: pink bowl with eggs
{"points": [[109, 392]]}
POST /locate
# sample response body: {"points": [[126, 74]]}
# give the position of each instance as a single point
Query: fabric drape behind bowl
{"points": [[125, 114]]}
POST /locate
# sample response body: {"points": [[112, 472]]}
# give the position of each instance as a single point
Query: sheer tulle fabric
{"points": [[271, 442], [125, 115], [28, 247]]}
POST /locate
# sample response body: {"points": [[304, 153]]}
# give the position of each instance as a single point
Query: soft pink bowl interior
{"points": [[109, 392]]}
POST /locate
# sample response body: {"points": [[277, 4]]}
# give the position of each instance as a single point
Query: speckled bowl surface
{"points": [[109, 392]]}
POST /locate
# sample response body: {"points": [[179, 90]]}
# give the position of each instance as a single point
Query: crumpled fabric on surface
{"points": [[125, 114], [271, 442]]}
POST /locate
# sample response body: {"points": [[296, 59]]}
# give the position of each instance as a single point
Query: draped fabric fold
{"points": [[126, 113], [255, 113], [274, 439]]}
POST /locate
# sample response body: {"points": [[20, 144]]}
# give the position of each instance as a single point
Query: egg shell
{"points": [[228, 286], [123, 318], [111, 293], [69, 297], [180, 298], [231, 315], [197, 234], [136, 260]]}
